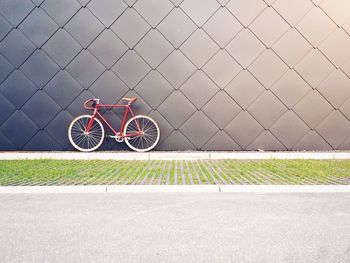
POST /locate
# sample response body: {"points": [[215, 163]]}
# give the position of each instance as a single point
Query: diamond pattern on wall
{"points": [[199, 10], [221, 142], [131, 68], [84, 27], [289, 129], [312, 140], [266, 140], [37, 2], [291, 88], [58, 10], [42, 141], [16, 48], [176, 142], [38, 27], [245, 47], [6, 144], [153, 11], [335, 47], [199, 89], [214, 74], [198, 129], [199, 48], [292, 55], [172, 72], [85, 68], [107, 10], [174, 114], [244, 89], [130, 21], [314, 68], [5, 68], [61, 40], [5, 27], [108, 48], [177, 27], [268, 75], [222, 68], [221, 109], [18, 129], [63, 89], [246, 10], [10, 10], [243, 129], [154, 48], [313, 108], [269, 26], [57, 128], [346, 68], [329, 129], [339, 15], [222, 27], [273, 109], [336, 88], [345, 108], [316, 34], [39, 68], [17, 88], [38, 113], [154, 88], [292, 11], [6, 109]]}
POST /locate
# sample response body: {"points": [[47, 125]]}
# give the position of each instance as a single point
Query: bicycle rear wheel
{"points": [[82, 140], [149, 137]]}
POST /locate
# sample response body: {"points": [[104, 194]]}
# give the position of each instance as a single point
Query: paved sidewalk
{"points": [[202, 155], [177, 227], [78, 189]]}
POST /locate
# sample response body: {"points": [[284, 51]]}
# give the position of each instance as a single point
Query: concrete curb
{"points": [[172, 155], [162, 188], [53, 189], [284, 188], [175, 189]]}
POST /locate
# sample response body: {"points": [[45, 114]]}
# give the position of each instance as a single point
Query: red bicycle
{"points": [[86, 132]]}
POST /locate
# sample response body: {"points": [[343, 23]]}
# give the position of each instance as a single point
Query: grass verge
{"points": [[60, 172]]}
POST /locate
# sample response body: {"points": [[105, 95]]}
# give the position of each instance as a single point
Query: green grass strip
{"points": [[94, 172]]}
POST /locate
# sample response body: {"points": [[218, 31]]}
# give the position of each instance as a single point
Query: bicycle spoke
{"points": [[83, 140], [149, 137]]}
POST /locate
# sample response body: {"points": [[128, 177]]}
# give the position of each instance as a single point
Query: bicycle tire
{"points": [[82, 141], [148, 140]]}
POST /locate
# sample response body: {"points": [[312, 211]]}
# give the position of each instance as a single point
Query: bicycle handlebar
{"points": [[93, 104]]}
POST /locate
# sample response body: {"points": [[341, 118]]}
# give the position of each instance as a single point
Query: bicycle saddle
{"points": [[130, 100]]}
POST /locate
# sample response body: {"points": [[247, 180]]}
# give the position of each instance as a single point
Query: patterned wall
{"points": [[215, 74]]}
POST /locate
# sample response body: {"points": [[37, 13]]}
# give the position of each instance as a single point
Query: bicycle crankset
{"points": [[118, 138]]}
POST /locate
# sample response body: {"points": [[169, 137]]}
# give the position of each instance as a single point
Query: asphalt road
{"points": [[175, 227]]}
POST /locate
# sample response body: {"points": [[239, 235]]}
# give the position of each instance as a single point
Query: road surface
{"points": [[175, 227]]}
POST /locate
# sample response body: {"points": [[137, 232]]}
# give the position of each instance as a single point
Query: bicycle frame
{"points": [[96, 107]]}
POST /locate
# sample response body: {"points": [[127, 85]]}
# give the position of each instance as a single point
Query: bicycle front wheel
{"points": [[149, 136], [82, 140]]}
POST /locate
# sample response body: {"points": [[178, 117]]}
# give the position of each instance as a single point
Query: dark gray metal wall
{"points": [[216, 75]]}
